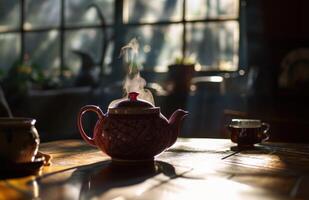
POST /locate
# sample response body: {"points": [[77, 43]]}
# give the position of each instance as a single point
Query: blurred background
{"points": [[218, 59]]}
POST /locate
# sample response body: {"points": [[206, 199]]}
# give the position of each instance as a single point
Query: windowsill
{"points": [[202, 72]]}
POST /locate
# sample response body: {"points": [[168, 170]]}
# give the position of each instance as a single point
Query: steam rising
{"points": [[133, 81]]}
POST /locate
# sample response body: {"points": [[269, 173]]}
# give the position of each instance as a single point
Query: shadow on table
{"points": [[95, 180]]}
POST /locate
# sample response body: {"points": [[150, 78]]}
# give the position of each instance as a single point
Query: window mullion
{"points": [[119, 34], [22, 30], [184, 34], [62, 39]]}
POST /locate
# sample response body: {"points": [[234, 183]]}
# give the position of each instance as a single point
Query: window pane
{"points": [[215, 45], [90, 42], [159, 45], [152, 11], [201, 9], [78, 12], [42, 13], [9, 51], [43, 49], [9, 17]]}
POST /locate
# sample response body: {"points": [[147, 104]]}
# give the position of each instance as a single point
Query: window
{"points": [[207, 30], [54, 32]]}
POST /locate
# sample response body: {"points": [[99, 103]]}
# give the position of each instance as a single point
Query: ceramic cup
{"points": [[19, 140], [247, 132]]}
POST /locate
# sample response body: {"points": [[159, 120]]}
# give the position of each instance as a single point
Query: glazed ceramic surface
{"points": [[19, 139], [133, 129]]}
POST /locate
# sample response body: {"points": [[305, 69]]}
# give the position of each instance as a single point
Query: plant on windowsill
{"points": [[180, 74], [19, 77], [178, 83], [25, 75]]}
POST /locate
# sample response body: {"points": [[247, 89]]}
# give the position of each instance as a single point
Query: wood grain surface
{"points": [[191, 169]]}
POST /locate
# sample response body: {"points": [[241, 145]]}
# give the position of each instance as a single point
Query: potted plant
{"points": [[178, 84], [180, 74]]}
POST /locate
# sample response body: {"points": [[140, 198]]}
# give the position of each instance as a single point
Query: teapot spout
{"points": [[175, 122]]}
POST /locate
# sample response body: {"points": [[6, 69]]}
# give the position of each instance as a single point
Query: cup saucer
{"points": [[13, 170]]}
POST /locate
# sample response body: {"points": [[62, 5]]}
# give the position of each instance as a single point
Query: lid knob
{"points": [[133, 96]]}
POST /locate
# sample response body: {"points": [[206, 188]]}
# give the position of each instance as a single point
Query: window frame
{"points": [[119, 26]]}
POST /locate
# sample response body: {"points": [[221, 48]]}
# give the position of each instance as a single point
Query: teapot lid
{"points": [[133, 105]]}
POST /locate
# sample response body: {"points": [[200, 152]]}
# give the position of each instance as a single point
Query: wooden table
{"points": [[191, 169]]}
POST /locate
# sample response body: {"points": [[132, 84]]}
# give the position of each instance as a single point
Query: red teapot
{"points": [[133, 129]]}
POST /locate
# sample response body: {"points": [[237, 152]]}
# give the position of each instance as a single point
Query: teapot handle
{"points": [[82, 111]]}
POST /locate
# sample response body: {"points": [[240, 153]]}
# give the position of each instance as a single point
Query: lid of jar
{"points": [[133, 105], [16, 122]]}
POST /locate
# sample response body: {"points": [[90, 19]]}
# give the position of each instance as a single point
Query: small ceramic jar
{"points": [[19, 139]]}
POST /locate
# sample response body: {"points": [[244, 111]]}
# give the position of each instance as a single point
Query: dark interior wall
{"points": [[258, 55], [285, 28], [275, 28], [286, 21]]}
